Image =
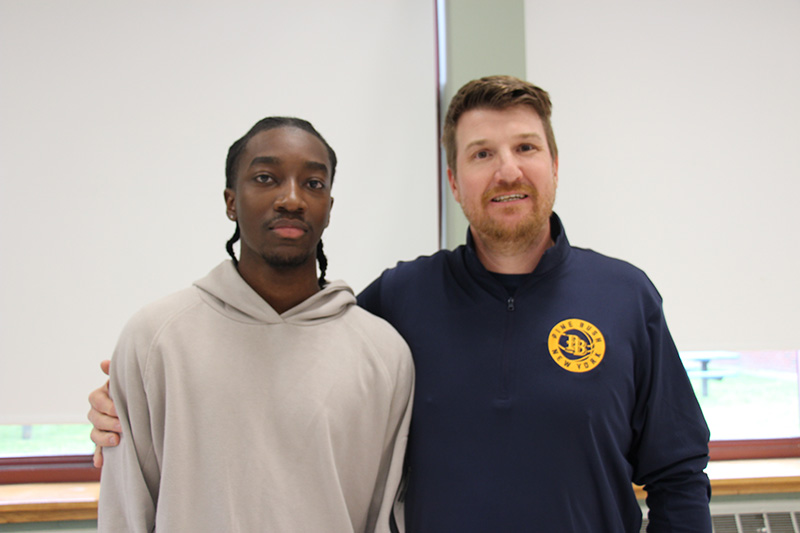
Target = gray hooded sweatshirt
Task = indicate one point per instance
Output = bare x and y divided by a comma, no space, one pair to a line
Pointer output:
238,419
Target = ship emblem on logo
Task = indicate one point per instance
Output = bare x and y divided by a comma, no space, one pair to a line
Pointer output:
576,345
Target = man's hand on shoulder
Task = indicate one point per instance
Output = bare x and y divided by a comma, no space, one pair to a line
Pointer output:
103,416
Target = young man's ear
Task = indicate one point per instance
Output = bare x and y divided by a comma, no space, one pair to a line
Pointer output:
230,203
328,218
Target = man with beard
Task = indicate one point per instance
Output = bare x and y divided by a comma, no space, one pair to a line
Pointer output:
546,378
327,386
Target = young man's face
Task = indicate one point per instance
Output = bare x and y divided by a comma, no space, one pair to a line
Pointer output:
282,197
505,178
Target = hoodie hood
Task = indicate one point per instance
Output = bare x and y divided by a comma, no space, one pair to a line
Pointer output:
226,290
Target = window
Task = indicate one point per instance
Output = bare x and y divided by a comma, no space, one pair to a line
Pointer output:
750,400
45,439
46,453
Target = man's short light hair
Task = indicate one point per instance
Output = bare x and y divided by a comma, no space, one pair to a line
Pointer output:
496,92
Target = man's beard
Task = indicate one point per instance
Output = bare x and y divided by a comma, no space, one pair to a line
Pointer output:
510,236
281,261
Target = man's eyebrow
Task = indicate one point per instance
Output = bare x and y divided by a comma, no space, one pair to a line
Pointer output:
521,136
532,135
476,142
316,165
265,160
275,160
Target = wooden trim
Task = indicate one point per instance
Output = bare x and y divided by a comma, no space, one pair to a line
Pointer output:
724,450
765,485
48,469
744,487
48,502
750,477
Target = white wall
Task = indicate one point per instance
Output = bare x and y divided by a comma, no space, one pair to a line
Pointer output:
677,124
115,119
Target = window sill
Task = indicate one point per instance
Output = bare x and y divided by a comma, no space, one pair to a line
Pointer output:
47,502
750,476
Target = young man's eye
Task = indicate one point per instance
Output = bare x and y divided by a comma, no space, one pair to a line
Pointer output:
527,147
263,178
316,184
482,154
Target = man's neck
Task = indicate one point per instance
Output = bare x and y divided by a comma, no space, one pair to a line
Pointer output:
281,288
504,259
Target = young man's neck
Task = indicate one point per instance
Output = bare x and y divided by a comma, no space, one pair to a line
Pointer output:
282,288
505,258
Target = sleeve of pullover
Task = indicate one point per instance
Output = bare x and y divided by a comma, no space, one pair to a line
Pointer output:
671,451
370,298
130,478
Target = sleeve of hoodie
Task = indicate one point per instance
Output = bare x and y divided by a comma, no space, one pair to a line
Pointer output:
391,511
670,450
130,478
395,440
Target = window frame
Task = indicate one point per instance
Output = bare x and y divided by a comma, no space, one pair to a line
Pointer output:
48,469
727,450
80,468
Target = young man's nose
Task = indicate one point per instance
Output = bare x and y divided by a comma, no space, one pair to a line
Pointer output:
290,197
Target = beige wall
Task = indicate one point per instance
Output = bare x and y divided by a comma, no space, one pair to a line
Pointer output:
677,133
115,120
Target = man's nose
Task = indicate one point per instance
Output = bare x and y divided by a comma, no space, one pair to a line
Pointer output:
290,197
508,167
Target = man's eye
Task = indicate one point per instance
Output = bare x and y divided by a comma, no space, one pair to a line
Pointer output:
263,178
527,147
316,184
483,154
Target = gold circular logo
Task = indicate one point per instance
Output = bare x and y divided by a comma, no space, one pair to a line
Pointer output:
576,345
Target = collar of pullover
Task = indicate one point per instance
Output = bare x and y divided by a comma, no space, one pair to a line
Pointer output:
552,257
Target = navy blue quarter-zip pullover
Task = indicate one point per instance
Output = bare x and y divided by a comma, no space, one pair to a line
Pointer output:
541,398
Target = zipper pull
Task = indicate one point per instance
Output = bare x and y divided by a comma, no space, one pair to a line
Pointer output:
510,303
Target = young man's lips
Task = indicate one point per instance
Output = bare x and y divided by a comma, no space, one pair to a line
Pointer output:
290,229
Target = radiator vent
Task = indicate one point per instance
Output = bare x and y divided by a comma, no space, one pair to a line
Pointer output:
752,523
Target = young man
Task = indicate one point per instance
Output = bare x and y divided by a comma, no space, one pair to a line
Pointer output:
546,378
326,386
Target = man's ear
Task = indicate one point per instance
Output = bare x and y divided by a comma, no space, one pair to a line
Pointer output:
451,179
230,203
555,171
328,218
